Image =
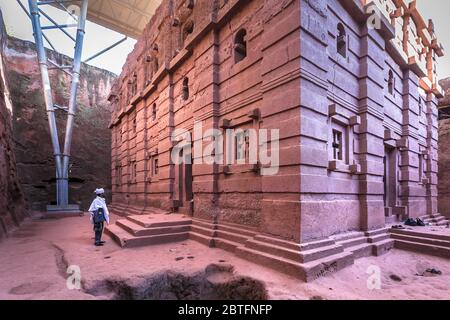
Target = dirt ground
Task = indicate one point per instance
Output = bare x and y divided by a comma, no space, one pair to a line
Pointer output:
34,262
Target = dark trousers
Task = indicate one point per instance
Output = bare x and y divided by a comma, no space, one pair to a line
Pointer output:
98,229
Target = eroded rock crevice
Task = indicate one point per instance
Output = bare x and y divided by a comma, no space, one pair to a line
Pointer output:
218,281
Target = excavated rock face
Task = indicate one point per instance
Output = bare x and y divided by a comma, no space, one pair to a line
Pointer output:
444,154
91,146
444,167
12,205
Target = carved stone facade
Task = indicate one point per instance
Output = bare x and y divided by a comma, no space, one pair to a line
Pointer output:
355,106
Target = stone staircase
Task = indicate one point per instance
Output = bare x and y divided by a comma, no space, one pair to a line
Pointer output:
435,220
141,230
306,261
124,210
364,244
436,244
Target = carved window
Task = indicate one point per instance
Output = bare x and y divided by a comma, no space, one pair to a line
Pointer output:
337,145
391,83
420,106
240,46
155,166
134,125
341,41
154,112
185,88
133,171
148,70
188,29
242,146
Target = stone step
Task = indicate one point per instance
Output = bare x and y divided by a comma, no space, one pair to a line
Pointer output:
319,253
348,236
430,216
119,210
133,210
154,221
378,237
126,240
436,219
360,250
278,242
203,239
226,245
237,226
294,245
371,233
232,229
204,224
231,236
322,267
352,242
382,247
139,231
430,241
280,264
274,249
153,210
420,234
433,250
307,272
204,231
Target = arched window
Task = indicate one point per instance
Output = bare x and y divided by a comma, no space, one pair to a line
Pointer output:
185,88
391,82
240,46
341,40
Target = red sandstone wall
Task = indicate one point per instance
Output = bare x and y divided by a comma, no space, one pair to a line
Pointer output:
12,206
268,80
91,140
311,196
444,152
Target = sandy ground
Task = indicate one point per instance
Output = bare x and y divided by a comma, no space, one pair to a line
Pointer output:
34,260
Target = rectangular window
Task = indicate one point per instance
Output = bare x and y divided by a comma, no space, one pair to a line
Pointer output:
337,145
155,166
134,125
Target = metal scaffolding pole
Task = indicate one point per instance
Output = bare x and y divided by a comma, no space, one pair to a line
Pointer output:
61,160
42,58
73,97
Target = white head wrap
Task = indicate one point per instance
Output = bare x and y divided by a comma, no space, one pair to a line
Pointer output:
99,191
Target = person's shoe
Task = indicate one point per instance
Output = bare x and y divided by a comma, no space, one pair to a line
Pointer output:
98,244
102,242
411,222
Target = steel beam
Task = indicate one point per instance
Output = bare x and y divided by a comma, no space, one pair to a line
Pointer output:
73,97
106,49
42,58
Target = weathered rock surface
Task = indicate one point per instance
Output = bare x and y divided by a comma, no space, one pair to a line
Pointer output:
91,146
12,205
444,154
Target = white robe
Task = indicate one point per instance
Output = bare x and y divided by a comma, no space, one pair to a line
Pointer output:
97,203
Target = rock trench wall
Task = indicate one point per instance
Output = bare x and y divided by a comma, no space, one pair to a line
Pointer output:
91,146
